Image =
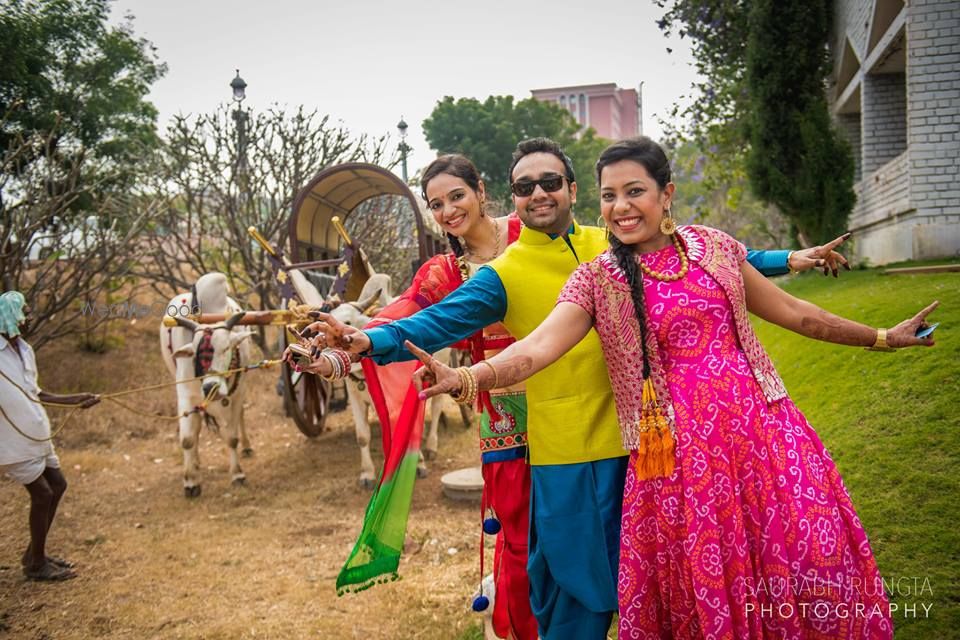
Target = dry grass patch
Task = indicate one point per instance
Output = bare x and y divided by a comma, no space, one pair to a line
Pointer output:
239,562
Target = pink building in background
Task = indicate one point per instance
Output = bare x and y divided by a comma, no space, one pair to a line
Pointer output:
613,112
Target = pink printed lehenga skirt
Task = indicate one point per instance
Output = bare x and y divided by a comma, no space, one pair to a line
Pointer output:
754,534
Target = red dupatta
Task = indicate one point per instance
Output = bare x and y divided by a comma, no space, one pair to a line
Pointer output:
376,555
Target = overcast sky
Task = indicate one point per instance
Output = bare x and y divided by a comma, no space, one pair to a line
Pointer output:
368,63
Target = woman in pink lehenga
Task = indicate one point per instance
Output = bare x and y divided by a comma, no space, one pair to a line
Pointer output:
736,523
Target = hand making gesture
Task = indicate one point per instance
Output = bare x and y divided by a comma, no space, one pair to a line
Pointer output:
821,257
333,333
905,333
434,377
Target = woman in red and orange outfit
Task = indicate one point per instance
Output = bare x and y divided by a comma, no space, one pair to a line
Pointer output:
456,197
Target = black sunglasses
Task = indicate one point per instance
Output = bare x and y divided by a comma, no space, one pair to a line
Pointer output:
524,188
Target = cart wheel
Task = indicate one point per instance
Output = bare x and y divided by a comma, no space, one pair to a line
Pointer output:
306,397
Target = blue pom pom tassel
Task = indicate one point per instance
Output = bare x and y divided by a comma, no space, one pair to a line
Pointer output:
491,526
480,603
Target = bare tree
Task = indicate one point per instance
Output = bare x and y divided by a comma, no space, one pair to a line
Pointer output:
67,238
221,174
385,227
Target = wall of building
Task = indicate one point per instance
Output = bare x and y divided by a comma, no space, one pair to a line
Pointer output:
933,121
601,115
610,110
883,119
850,129
629,126
908,145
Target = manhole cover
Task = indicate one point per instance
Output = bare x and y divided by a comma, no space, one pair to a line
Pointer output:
463,484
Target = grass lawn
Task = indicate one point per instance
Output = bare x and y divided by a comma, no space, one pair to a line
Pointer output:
892,423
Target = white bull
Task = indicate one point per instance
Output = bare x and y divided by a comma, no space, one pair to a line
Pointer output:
352,314
190,350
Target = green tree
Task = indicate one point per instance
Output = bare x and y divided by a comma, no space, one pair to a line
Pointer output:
714,121
761,109
796,160
75,136
68,75
726,204
584,152
488,132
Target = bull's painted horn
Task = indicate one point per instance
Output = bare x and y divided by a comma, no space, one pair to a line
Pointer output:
185,323
234,319
362,305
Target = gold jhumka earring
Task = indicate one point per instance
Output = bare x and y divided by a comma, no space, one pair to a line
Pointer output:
668,225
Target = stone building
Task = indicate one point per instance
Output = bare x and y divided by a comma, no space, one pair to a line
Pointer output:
896,98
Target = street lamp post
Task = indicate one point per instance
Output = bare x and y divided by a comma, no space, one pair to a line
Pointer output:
240,118
404,147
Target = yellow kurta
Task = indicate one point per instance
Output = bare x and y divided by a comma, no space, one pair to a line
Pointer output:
571,416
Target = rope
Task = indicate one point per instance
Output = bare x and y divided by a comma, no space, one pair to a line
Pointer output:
112,397
18,430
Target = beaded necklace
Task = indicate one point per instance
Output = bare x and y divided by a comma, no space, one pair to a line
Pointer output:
668,277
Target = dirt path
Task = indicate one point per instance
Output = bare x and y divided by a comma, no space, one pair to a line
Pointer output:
258,561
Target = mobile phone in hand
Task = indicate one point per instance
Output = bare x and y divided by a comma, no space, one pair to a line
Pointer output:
926,332
302,354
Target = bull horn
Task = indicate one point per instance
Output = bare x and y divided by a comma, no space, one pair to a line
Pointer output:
234,319
365,303
185,323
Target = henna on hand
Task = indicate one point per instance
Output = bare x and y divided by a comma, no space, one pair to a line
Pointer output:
509,371
823,325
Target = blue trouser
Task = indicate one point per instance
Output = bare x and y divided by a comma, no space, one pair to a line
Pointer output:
575,547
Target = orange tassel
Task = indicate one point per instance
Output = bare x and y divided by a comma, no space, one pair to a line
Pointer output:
655,446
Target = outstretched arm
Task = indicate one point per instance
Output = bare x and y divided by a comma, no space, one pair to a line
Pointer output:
779,262
775,305
566,325
477,303
82,400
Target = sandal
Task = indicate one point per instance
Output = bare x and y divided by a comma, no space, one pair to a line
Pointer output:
49,572
54,560
60,562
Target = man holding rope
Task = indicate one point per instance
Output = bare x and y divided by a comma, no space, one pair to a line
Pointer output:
26,449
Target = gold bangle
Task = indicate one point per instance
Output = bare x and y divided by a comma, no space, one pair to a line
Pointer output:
468,387
496,378
792,271
881,342
466,384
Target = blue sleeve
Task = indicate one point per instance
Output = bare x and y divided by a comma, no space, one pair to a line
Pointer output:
475,304
769,263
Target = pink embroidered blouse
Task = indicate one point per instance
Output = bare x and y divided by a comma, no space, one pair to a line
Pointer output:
600,287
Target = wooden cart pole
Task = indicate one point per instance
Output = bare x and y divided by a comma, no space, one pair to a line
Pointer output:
335,221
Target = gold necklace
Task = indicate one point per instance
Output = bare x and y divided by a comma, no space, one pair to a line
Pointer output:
668,277
496,245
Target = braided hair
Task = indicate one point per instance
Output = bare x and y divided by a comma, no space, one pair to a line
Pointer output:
651,156
458,166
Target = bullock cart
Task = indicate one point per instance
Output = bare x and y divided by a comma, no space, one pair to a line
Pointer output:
339,209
